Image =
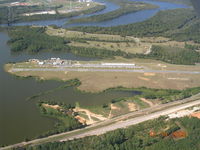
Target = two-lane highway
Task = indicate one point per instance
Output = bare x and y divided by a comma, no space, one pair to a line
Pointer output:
118,122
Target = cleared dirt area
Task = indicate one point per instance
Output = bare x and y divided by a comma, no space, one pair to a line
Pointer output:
91,117
113,108
122,107
51,106
149,74
196,114
147,101
179,134
132,107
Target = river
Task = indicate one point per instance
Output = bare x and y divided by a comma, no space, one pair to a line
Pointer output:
19,118
122,20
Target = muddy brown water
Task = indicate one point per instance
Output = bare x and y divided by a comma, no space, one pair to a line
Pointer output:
19,118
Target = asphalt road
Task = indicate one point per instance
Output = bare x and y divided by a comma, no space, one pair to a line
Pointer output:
133,121
122,121
104,70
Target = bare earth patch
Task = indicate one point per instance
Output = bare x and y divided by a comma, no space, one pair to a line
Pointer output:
81,119
132,107
196,114
147,101
142,78
113,107
149,74
52,106
184,79
90,116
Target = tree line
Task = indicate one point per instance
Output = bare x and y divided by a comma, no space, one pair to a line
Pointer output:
35,39
178,24
125,8
136,137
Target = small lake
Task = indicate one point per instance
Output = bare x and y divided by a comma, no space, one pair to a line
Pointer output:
19,118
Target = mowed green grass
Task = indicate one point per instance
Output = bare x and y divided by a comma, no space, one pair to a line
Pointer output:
129,47
82,35
101,41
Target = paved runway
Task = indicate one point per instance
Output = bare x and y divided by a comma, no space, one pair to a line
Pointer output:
105,70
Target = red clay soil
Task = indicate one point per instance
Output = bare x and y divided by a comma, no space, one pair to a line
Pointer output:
197,115
179,134
152,133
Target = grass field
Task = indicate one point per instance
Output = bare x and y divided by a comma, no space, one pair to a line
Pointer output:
95,81
129,47
102,41
81,35
115,42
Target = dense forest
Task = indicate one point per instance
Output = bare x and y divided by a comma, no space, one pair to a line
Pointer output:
175,55
35,39
137,137
188,33
178,24
125,8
